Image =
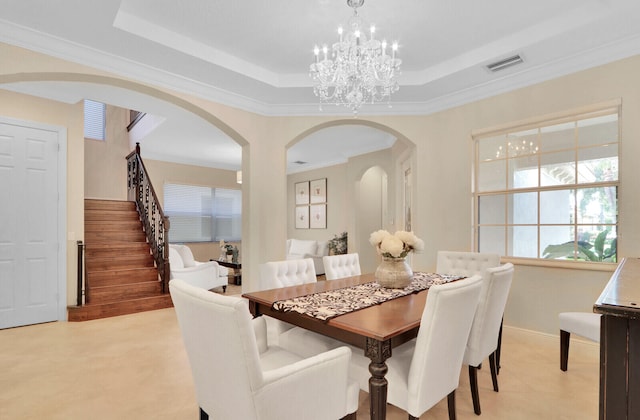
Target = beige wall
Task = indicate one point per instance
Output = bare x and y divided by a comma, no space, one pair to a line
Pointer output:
105,175
350,206
442,172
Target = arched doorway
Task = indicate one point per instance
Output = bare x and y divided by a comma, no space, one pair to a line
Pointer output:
73,173
370,185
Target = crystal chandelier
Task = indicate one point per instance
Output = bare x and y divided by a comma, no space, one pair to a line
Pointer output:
357,69
516,148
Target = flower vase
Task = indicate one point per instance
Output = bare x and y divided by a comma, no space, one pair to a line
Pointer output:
394,273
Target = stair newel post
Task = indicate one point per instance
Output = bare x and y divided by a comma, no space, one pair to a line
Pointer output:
80,272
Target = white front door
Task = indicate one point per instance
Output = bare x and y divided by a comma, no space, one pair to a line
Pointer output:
29,260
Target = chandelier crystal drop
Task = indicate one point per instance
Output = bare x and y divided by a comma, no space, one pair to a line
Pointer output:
357,69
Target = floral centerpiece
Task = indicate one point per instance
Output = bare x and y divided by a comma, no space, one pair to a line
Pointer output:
398,245
394,271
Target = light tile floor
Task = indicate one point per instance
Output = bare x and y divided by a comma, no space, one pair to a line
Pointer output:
135,367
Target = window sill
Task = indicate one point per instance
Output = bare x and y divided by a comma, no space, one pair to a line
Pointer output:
572,265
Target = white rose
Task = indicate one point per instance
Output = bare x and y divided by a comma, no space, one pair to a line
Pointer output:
392,245
377,237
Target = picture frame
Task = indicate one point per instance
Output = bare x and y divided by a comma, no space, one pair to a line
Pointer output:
302,217
302,192
318,190
318,216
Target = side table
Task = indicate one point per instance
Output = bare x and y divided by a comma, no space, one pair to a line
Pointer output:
237,270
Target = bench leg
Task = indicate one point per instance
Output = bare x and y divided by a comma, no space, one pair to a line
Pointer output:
203,415
564,349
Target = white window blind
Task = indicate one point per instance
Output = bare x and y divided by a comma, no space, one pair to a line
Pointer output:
203,214
94,120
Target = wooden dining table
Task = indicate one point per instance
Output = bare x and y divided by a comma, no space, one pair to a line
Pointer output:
376,329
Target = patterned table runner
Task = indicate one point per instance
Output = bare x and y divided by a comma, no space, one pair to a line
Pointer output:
332,303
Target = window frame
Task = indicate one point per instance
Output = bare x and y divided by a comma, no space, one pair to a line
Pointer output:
91,122
539,123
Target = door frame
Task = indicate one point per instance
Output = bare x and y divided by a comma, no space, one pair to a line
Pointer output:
61,275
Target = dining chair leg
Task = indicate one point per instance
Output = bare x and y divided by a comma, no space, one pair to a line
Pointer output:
494,370
203,415
451,403
473,381
564,349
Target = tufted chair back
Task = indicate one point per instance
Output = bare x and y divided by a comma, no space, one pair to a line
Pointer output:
340,266
465,263
285,273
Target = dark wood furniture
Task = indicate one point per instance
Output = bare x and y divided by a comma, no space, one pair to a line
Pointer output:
237,270
376,329
619,305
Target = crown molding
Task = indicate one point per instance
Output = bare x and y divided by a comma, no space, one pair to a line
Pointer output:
31,39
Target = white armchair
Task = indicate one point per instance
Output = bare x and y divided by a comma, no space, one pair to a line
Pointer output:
298,249
205,275
238,375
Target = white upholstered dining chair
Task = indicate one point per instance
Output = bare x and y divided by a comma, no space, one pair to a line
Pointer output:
340,266
485,331
297,340
465,263
423,371
238,375
275,274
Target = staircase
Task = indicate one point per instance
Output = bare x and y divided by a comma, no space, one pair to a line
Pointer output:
121,277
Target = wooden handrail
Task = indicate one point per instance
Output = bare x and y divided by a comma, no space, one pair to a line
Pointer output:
156,224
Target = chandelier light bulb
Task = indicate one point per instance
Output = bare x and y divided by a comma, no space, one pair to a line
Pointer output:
358,71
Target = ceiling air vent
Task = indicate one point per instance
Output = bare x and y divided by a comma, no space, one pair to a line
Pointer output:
505,63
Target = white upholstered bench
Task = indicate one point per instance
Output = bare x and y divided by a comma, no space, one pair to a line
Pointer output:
584,324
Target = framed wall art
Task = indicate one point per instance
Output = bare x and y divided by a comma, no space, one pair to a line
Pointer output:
318,191
302,217
318,216
302,193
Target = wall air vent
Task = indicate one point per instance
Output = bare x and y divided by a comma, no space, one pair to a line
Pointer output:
505,63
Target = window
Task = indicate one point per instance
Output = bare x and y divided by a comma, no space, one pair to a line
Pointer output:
549,189
94,120
203,214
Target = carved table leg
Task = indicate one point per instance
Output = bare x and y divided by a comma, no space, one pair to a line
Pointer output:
378,352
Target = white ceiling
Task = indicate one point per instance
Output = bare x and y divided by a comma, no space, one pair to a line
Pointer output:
255,55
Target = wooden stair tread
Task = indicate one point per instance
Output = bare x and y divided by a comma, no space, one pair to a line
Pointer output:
105,310
121,273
